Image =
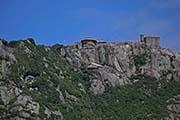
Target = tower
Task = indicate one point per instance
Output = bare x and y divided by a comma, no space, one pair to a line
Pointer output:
142,37
150,41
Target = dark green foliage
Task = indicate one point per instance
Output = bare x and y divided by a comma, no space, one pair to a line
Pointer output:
83,68
13,43
142,100
70,87
55,81
77,47
31,40
4,42
140,60
4,58
31,73
48,92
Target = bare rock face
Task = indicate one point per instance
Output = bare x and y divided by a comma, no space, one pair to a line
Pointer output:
50,113
8,93
6,59
27,103
174,108
107,65
6,52
97,87
14,102
117,62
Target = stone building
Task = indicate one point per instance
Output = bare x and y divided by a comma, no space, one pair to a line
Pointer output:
150,41
88,42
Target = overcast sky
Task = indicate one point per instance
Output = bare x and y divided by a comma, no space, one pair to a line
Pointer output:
67,21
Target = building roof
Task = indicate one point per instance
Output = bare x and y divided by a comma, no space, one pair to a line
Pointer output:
152,37
89,39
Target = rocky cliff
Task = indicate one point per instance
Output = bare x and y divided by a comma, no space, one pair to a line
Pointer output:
104,82
114,63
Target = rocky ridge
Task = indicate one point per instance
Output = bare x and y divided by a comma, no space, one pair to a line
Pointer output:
34,79
115,63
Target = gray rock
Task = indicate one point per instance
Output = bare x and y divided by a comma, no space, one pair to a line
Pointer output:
28,104
118,64
16,118
8,93
49,113
71,97
174,108
97,87
61,97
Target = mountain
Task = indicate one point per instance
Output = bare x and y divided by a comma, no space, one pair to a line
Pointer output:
89,80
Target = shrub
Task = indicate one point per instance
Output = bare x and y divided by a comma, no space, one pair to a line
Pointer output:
47,91
4,42
31,40
140,60
13,43
70,87
6,58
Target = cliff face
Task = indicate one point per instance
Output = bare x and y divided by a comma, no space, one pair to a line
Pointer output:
106,81
114,63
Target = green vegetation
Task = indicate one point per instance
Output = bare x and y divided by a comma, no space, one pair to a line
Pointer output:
31,40
13,43
4,42
52,70
140,60
142,100
4,58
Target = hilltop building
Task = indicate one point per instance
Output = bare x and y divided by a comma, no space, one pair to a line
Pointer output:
88,42
150,41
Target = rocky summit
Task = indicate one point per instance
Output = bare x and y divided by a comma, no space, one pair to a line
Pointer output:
89,80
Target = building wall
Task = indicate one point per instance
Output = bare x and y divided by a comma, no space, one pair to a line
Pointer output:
152,42
88,44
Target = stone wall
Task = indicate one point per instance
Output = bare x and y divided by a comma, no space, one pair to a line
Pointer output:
152,42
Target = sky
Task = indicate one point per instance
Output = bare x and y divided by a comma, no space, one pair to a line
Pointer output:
67,21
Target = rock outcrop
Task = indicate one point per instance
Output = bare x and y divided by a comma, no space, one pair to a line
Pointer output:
15,103
119,61
52,82
174,108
